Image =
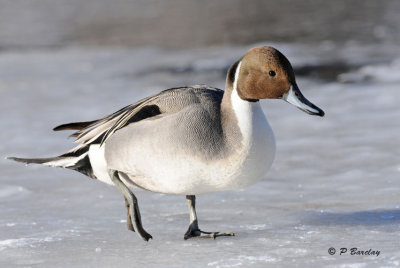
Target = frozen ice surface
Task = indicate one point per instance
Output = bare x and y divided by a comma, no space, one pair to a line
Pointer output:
334,183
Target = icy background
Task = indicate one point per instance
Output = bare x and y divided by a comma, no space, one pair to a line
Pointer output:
334,183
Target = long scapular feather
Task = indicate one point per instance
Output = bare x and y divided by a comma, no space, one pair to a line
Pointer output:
73,126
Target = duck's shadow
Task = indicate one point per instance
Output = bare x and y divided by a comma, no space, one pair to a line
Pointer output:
365,218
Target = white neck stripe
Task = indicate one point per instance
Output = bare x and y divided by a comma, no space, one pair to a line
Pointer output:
236,78
243,110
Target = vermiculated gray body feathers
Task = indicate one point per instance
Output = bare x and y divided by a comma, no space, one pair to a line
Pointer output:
98,131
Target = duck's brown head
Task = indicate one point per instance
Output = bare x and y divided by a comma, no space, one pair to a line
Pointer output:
265,73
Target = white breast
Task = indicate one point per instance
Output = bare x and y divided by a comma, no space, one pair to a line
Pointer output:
258,141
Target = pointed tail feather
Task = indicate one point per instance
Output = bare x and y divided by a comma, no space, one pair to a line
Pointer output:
58,161
33,160
78,162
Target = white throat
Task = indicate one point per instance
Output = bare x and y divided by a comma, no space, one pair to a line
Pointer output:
246,112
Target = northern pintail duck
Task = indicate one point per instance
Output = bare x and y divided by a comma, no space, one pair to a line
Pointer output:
187,140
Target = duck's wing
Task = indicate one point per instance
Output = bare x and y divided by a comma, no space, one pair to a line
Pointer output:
166,102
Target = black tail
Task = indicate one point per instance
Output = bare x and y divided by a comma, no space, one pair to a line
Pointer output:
34,160
78,161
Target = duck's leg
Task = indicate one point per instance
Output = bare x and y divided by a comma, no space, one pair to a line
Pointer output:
193,230
128,218
133,206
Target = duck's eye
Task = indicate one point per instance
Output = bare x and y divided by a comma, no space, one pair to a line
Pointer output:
272,73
